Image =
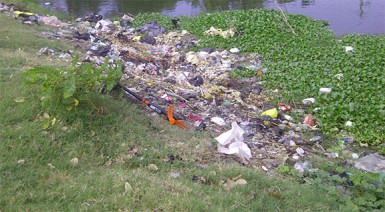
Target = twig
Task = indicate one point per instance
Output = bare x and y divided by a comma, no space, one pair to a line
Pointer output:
284,17
170,91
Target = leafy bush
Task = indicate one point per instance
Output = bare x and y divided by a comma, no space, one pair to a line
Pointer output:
300,64
70,86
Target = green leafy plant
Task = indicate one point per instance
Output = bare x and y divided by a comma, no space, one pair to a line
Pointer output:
161,19
382,150
70,86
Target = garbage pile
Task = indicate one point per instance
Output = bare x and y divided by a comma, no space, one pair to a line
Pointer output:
165,68
162,67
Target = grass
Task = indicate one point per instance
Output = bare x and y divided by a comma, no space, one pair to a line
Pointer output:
103,137
20,44
93,185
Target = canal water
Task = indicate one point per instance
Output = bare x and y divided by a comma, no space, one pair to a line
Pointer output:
345,16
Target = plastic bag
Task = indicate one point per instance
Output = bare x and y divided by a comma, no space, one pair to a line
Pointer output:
231,142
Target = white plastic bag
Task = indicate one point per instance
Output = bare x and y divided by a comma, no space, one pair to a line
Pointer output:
231,142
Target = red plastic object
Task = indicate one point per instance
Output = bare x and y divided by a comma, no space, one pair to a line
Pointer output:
284,107
194,117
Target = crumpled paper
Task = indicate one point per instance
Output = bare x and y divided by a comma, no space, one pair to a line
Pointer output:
231,142
225,34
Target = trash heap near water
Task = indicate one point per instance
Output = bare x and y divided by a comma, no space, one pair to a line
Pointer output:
164,68
204,85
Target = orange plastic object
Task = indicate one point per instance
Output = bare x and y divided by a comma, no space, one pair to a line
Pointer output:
171,117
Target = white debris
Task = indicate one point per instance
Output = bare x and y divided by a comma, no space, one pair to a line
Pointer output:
308,101
74,161
325,90
355,156
218,121
287,117
304,166
296,157
371,163
104,25
339,76
348,49
203,55
300,151
231,142
234,50
192,58
349,123
332,155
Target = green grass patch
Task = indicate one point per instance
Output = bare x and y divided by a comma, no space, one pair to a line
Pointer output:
109,132
20,44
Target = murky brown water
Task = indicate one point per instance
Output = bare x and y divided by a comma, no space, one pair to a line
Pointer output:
345,16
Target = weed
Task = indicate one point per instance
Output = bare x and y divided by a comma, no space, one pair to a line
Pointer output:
70,86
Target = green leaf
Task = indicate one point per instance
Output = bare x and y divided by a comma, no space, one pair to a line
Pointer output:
283,169
360,201
110,85
46,123
380,203
69,88
340,169
37,75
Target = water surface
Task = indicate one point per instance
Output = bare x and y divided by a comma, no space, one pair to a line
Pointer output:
345,16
